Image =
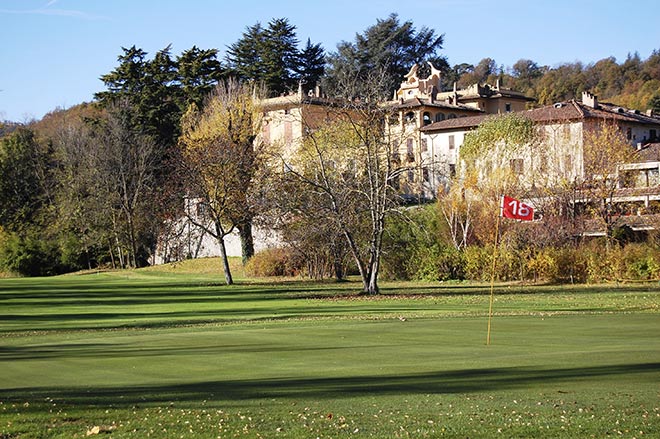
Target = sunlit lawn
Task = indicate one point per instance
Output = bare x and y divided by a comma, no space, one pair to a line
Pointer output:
171,354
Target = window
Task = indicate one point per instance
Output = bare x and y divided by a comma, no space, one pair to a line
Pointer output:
439,117
425,174
451,116
411,176
410,117
628,133
452,170
507,107
516,166
451,142
266,132
425,146
410,150
427,118
288,132
652,135
202,210
568,163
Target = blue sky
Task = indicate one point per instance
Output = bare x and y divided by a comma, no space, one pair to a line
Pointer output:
54,51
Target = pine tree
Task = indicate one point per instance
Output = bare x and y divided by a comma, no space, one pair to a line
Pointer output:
311,64
198,72
387,50
244,57
269,56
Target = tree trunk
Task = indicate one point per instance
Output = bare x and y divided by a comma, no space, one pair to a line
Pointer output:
372,287
225,262
220,236
247,241
338,268
356,256
112,255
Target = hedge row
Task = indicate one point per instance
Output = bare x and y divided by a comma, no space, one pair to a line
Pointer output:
575,264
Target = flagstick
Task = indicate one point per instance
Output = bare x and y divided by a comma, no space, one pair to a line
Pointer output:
492,273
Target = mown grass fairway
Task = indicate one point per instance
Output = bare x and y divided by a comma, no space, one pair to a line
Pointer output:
169,354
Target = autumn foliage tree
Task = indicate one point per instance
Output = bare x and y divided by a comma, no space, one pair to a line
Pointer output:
220,163
347,172
605,149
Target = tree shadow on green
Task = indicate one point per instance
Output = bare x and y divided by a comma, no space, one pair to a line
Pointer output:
441,382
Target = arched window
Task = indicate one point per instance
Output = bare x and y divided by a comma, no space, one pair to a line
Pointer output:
439,117
427,118
451,116
410,117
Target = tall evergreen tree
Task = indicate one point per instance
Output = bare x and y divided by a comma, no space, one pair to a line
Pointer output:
271,56
311,64
198,73
244,57
280,56
387,48
150,87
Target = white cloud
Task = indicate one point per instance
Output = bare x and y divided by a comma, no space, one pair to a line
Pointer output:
47,10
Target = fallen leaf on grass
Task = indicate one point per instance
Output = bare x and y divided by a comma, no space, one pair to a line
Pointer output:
100,429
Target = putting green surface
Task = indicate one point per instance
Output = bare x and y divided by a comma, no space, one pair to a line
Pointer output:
164,355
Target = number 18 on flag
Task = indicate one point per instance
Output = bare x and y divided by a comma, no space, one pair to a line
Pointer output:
515,209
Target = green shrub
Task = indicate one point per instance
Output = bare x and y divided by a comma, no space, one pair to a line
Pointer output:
641,262
411,245
30,256
478,262
437,263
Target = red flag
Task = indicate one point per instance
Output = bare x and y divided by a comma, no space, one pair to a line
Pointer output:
514,209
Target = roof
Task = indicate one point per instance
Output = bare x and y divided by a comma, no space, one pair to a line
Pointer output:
564,111
638,223
649,153
421,102
500,93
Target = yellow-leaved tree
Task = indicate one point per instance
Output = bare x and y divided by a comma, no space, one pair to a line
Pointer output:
605,149
220,163
346,176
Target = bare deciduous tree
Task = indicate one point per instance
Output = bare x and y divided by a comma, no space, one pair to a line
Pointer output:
346,168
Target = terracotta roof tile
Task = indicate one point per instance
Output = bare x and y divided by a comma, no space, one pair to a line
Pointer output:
649,153
564,111
417,102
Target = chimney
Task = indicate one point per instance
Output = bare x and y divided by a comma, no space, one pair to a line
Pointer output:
589,100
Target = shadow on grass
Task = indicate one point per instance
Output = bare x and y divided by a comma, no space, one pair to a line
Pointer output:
443,382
